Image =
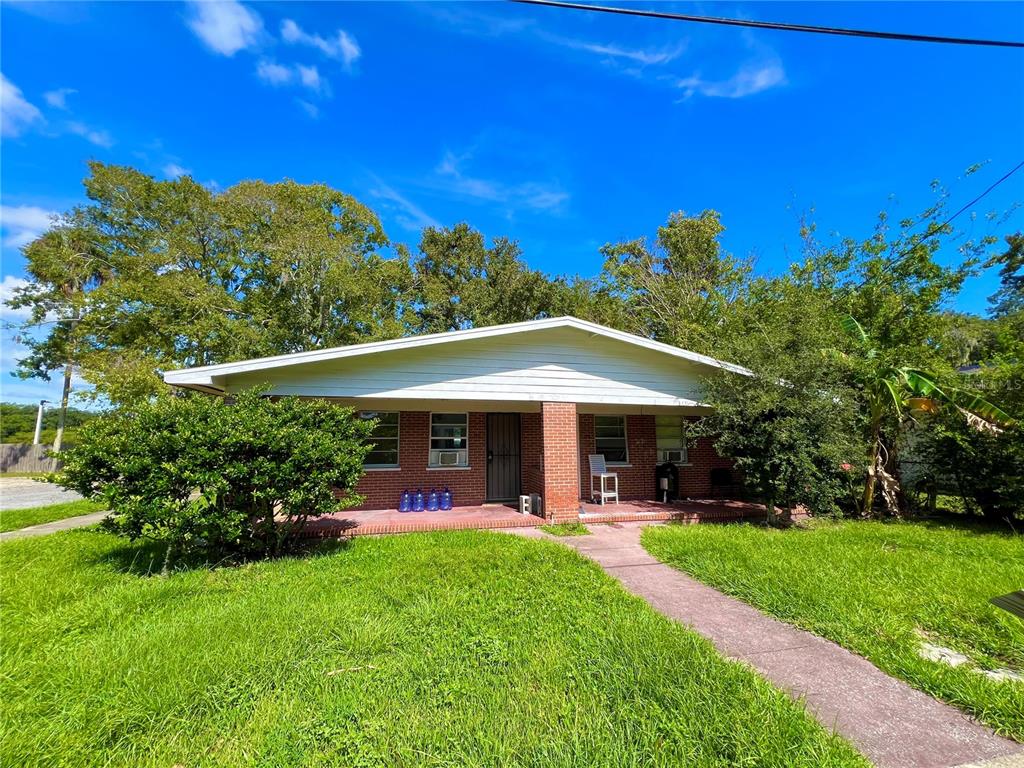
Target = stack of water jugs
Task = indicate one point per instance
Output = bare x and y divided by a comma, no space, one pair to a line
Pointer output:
417,501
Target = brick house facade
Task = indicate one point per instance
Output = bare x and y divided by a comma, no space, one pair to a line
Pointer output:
509,407
554,448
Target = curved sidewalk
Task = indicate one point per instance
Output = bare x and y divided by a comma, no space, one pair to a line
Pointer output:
894,725
81,521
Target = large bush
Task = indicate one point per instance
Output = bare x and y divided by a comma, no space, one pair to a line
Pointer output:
214,476
985,468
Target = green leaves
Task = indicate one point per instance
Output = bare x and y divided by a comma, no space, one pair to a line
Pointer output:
153,275
205,475
679,289
854,329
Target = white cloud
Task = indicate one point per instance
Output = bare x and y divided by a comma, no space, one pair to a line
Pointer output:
310,109
226,26
58,98
281,74
275,74
750,79
342,46
21,224
7,288
409,215
173,171
642,56
350,50
310,77
17,115
531,195
759,66
470,22
95,136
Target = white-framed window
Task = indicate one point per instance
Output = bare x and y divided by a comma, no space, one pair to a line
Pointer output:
449,439
670,432
384,437
610,439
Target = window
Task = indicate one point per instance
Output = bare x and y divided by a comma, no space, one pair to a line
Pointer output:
449,440
610,438
384,439
670,432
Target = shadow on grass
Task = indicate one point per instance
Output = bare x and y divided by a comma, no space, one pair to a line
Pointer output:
149,558
969,523
972,523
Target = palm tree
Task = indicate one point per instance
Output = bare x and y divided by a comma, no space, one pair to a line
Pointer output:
891,391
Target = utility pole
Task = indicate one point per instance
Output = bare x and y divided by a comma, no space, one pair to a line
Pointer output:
65,394
39,423
63,408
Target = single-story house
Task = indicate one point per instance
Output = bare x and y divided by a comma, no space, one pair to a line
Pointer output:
497,412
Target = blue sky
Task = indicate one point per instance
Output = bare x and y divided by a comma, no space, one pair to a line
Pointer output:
561,129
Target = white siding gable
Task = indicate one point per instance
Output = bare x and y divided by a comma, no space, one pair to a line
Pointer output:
555,364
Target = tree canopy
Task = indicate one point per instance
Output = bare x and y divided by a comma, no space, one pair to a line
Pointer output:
150,275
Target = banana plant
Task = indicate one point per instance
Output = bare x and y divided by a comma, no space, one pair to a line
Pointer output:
898,391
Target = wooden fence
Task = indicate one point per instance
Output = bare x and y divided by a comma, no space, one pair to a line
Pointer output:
23,457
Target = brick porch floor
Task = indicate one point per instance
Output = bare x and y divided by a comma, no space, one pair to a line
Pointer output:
379,521
384,521
689,511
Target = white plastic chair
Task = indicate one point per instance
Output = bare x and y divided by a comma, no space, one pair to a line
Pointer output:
599,470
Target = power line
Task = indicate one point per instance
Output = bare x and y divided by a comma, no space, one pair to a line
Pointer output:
898,259
775,25
1005,176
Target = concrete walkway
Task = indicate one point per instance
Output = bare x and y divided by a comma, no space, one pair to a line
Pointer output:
52,527
894,725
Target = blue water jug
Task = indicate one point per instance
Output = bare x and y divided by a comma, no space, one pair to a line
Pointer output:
446,499
417,501
405,505
432,501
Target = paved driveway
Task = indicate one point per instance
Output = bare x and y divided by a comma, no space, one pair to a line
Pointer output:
24,492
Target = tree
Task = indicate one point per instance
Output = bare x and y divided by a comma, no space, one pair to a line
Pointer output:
18,423
792,424
66,265
171,274
889,391
1009,299
309,268
679,289
985,467
211,477
460,282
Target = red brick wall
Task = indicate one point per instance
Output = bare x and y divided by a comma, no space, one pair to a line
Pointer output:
695,480
561,461
637,480
531,464
383,488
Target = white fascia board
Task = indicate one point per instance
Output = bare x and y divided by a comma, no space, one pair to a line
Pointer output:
206,375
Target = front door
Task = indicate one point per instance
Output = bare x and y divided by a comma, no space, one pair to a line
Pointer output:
502,456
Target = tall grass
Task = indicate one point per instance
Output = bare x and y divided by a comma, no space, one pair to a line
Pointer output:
462,648
878,589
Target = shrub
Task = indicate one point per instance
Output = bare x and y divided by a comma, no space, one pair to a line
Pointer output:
211,476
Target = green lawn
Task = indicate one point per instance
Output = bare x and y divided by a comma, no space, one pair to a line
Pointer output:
566,529
13,519
461,648
873,587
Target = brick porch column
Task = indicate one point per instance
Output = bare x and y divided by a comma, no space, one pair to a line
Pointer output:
561,462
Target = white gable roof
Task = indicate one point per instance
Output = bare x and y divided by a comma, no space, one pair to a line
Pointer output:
559,359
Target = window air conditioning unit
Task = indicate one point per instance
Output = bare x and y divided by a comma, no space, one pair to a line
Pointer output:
675,457
448,458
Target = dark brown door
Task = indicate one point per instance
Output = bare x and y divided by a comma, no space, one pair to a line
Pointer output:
502,456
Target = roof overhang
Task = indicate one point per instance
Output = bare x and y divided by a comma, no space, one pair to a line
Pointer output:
210,378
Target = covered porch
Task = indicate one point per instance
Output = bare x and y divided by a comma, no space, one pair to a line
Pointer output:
366,522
